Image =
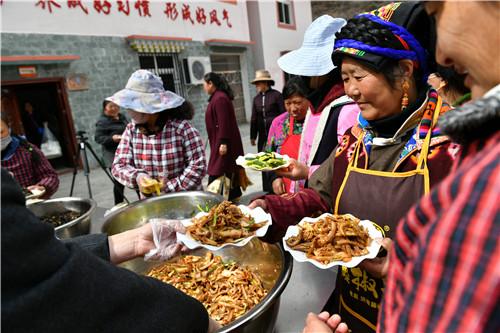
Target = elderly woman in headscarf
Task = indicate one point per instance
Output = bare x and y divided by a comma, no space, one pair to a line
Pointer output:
384,164
443,272
160,146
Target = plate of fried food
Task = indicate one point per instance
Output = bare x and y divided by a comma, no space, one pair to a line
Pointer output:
332,240
224,225
227,289
264,161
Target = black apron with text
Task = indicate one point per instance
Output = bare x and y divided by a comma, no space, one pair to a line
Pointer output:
383,198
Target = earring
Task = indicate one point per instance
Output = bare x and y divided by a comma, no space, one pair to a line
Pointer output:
405,100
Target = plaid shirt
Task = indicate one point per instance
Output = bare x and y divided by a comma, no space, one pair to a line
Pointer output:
444,274
176,153
27,172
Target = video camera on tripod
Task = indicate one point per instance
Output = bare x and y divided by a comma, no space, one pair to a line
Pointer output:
83,143
81,136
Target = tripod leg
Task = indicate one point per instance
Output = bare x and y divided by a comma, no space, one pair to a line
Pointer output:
86,169
103,167
75,171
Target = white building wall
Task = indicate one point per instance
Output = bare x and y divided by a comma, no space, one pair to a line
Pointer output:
275,39
255,32
24,16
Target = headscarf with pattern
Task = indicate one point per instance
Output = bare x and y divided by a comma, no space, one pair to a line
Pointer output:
400,30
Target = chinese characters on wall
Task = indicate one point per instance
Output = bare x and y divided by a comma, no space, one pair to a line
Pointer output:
173,11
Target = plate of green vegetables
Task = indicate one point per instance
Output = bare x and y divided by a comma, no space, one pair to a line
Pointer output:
264,161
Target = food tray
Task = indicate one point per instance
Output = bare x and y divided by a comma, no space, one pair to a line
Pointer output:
300,256
243,161
257,213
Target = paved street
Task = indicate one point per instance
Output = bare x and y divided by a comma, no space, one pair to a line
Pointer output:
308,288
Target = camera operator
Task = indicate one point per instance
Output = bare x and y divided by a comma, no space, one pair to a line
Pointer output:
109,129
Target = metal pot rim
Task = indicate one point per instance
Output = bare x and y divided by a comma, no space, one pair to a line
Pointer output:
85,215
111,215
272,296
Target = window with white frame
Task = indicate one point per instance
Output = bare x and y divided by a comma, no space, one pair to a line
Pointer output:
166,66
285,12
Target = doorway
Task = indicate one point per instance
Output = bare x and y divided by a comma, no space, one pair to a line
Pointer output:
38,104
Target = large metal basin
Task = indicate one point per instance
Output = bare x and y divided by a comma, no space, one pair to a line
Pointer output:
76,227
268,261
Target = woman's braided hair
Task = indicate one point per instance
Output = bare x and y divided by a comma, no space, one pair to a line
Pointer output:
368,32
371,33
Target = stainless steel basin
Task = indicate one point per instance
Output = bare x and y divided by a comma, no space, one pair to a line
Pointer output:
76,227
268,261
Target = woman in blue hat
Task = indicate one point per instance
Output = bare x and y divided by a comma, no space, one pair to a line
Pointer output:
385,163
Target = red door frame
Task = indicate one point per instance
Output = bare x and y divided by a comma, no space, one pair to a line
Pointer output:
68,128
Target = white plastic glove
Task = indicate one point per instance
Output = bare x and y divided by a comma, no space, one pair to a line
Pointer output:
165,239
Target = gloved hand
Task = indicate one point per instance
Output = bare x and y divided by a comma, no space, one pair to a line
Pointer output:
165,239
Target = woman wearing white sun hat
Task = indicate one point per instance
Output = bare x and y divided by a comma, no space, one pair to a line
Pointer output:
331,113
160,143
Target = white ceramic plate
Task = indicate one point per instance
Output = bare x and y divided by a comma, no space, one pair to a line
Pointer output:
258,214
242,161
35,194
300,256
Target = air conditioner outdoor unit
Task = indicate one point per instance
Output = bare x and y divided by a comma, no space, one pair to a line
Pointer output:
195,68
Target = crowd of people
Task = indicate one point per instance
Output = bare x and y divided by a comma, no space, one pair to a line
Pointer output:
391,116
397,146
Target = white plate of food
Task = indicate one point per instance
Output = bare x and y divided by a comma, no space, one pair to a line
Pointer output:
224,225
332,240
33,194
263,161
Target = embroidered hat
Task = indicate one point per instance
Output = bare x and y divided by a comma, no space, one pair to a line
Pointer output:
263,75
410,35
144,93
314,57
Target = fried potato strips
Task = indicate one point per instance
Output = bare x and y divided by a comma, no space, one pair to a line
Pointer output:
226,290
225,223
333,238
